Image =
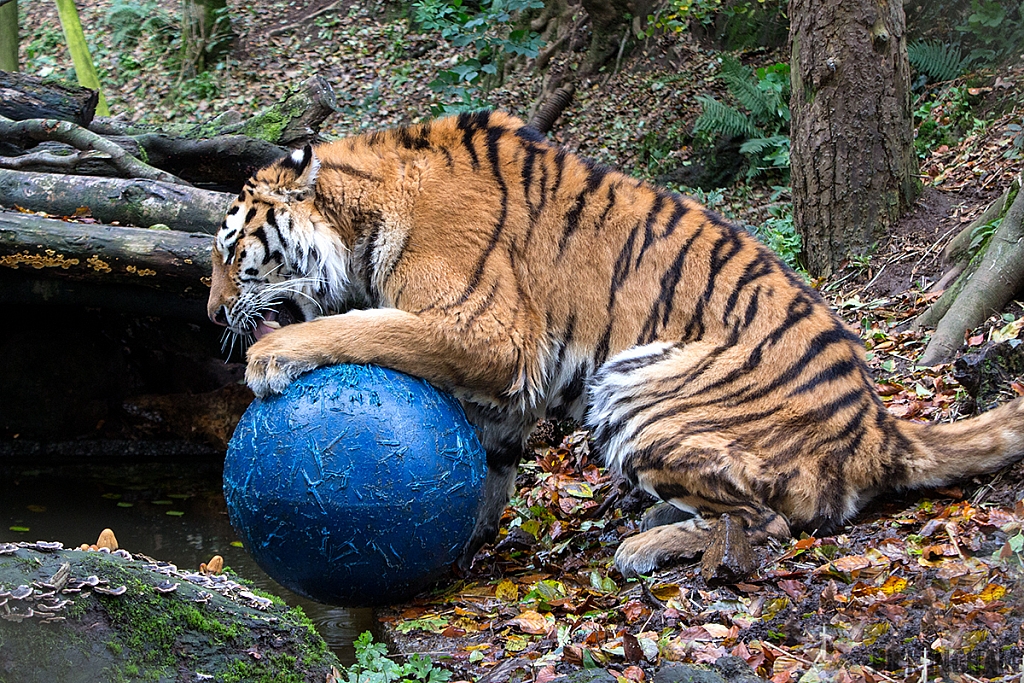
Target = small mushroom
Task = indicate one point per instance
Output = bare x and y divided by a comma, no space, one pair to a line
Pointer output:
48,546
8,548
90,581
107,540
214,566
21,592
52,620
120,590
166,587
18,617
123,554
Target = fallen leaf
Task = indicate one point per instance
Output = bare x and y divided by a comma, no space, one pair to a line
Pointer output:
506,591
530,622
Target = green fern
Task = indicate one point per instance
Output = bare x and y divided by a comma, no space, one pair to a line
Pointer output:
938,61
742,84
721,119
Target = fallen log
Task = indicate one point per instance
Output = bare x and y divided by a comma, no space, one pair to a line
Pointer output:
170,260
23,96
130,202
28,131
225,160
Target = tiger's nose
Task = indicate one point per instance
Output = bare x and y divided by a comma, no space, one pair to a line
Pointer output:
220,316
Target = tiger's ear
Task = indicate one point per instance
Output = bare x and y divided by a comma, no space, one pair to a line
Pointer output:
305,165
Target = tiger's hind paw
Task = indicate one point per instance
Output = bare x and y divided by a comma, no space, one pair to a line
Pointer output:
661,546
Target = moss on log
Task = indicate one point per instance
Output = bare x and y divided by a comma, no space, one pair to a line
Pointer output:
72,615
170,260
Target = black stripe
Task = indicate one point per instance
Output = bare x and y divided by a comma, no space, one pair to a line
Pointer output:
725,247
250,215
652,215
607,208
234,209
470,123
836,371
595,177
678,212
531,135
665,302
621,268
759,267
271,218
261,235
349,170
493,136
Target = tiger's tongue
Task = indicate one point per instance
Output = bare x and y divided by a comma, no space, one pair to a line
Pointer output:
262,330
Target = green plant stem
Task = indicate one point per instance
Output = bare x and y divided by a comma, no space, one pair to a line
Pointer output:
75,36
9,36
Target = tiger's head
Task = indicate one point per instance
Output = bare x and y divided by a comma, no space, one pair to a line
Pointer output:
276,261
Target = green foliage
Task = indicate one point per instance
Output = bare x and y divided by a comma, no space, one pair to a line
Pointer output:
995,28
938,61
946,117
764,95
373,666
129,20
492,33
778,232
735,24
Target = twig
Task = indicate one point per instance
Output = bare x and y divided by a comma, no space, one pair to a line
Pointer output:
323,10
86,140
64,162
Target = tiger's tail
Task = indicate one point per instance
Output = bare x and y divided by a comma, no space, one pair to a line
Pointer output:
948,452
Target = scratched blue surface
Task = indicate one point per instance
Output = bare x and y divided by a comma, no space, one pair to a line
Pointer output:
358,486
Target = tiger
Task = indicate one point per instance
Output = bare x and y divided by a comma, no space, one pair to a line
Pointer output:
530,282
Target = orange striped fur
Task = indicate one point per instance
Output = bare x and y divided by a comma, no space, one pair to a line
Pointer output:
529,282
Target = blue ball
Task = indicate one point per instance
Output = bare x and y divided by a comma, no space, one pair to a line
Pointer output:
357,486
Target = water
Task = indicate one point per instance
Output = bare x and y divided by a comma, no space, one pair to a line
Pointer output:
170,511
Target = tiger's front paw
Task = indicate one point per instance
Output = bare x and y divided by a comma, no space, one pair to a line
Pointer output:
663,545
273,366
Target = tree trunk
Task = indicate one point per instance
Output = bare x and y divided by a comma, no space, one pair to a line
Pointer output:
75,37
23,96
854,168
129,202
984,288
8,38
608,28
205,34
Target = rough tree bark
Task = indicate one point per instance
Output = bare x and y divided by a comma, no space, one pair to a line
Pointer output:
34,130
23,96
133,201
990,281
170,260
854,168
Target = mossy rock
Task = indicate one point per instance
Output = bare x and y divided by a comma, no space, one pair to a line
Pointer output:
70,615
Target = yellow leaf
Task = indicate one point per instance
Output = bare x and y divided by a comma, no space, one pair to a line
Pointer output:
893,585
507,591
514,643
992,592
666,591
579,489
530,622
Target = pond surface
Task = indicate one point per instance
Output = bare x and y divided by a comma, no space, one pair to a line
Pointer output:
170,511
